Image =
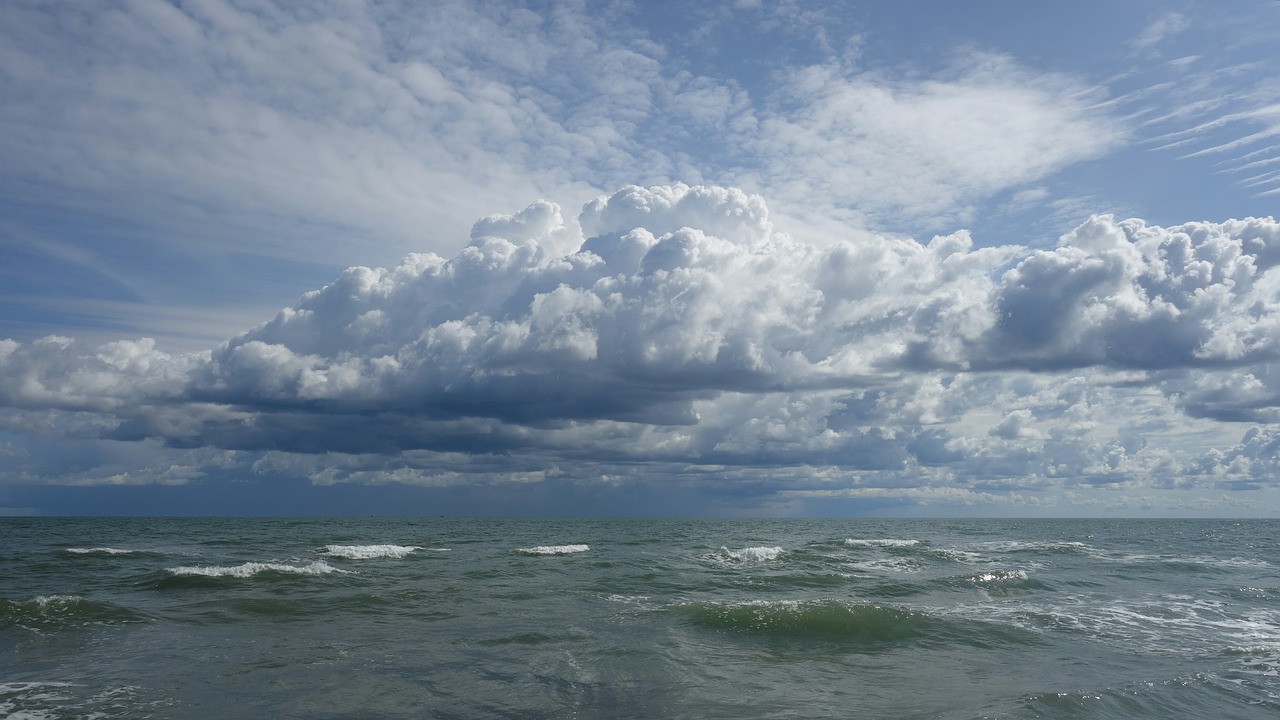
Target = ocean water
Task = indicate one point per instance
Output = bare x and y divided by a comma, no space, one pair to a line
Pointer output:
515,618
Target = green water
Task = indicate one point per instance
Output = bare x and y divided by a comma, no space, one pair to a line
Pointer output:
456,618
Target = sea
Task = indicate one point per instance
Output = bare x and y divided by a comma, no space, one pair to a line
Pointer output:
638,618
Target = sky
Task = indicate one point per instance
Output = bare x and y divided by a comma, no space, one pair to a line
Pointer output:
763,257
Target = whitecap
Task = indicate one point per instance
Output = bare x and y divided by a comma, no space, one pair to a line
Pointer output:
553,549
250,569
1016,546
99,551
888,564
628,599
751,554
965,557
44,601
999,576
880,542
366,552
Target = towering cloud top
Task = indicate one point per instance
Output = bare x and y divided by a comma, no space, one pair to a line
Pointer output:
674,293
674,323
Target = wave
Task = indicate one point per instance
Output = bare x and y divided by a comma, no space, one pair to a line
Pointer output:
1197,694
532,638
100,551
895,565
47,700
1006,582
49,611
831,620
880,542
999,577
751,554
250,569
1191,563
964,557
367,552
844,623
1169,624
1020,546
553,550
628,599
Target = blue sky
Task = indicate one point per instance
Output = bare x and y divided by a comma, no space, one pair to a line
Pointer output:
754,257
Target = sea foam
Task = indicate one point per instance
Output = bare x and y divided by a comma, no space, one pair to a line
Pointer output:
250,569
751,554
896,565
880,542
554,549
999,576
366,552
99,551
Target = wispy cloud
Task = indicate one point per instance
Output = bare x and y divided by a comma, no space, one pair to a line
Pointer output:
1160,30
880,152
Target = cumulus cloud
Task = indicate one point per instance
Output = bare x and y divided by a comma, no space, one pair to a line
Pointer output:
674,327
1126,294
1251,463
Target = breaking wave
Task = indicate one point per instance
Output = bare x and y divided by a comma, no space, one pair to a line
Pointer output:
999,577
250,569
751,554
367,552
554,550
53,611
1005,583
880,542
100,551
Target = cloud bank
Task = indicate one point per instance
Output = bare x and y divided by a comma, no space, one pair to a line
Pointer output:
673,331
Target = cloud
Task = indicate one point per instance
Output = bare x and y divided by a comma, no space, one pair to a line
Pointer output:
1126,294
343,132
358,123
1161,29
676,293
673,330
1250,464
875,149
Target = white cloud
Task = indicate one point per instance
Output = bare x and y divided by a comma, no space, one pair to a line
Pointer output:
683,334
1161,29
251,116
342,133
872,149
